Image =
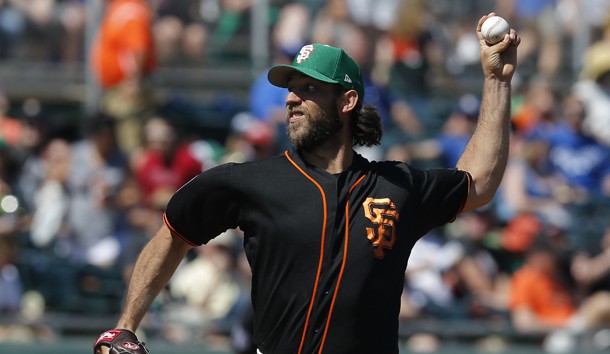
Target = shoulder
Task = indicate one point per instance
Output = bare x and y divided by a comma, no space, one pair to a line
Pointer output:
396,169
248,170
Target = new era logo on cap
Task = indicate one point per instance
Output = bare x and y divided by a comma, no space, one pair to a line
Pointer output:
321,62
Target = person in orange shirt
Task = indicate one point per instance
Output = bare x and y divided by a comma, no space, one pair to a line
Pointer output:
122,58
542,301
540,297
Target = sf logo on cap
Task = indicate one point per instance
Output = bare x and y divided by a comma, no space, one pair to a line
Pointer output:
304,53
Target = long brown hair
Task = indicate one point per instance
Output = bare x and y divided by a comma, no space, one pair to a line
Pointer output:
366,126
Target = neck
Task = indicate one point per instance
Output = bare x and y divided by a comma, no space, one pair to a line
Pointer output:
332,160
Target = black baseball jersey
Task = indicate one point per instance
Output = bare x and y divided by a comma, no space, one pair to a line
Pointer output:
328,252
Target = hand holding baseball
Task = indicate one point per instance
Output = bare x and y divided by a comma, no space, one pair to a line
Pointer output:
498,60
494,28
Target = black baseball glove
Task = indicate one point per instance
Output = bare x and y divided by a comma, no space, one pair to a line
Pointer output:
120,341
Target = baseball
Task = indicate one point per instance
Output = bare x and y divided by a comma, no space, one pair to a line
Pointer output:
494,28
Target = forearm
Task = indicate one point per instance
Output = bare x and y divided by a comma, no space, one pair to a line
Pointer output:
486,154
526,321
587,270
154,268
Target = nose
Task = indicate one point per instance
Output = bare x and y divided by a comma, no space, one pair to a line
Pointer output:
292,98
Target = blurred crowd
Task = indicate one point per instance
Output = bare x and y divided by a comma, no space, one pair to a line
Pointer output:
79,200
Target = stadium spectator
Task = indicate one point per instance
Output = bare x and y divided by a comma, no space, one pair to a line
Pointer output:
51,199
12,22
580,160
230,32
76,229
590,266
97,172
10,277
593,89
543,33
413,56
536,109
540,297
266,102
215,301
373,15
180,32
10,128
430,281
456,276
42,33
249,139
123,58
542,301
480,278
529,184
72,17
445,148
164,164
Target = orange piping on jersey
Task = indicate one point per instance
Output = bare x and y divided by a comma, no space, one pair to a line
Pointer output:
315,286
345,243
176,233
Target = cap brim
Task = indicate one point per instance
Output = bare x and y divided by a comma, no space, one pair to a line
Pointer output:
279,75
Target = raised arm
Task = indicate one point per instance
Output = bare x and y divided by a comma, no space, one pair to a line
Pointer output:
486,154
153,270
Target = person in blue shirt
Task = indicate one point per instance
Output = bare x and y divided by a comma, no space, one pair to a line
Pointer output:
446,147
580,160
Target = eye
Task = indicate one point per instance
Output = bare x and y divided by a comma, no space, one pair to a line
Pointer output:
303,88
310,88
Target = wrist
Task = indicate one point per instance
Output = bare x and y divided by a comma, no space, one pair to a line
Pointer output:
492,79
125,325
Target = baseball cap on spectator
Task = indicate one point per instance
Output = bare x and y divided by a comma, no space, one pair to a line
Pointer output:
257,133
520,232
321,62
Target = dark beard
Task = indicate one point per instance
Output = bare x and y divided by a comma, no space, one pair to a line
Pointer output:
314,131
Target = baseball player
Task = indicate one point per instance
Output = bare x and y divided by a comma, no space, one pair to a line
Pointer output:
327,233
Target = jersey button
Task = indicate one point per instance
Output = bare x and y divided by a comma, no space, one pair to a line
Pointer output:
316,330
326,292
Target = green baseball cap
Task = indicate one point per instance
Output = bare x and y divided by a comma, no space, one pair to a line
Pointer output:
321,62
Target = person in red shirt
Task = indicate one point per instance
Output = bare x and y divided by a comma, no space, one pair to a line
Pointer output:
164,164
122,58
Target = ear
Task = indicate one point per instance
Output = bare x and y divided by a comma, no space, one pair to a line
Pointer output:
347,101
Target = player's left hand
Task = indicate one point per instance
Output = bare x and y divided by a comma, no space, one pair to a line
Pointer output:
499,61
119,341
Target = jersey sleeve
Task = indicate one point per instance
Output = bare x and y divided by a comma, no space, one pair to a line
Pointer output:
443,194
205,206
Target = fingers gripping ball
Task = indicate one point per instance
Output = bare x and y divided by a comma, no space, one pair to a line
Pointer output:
494,28
120,341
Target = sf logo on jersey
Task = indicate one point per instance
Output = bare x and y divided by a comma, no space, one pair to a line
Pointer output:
383,214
